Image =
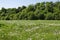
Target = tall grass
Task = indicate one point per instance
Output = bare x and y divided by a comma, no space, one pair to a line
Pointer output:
29,30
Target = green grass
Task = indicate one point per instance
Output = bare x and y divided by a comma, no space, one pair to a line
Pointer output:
29,30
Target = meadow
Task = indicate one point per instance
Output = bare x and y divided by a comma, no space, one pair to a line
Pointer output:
29,29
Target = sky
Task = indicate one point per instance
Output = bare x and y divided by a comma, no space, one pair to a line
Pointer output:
17,3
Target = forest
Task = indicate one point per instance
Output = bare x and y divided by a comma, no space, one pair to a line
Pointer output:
38,11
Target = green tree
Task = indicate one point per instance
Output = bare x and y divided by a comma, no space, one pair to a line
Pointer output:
49,16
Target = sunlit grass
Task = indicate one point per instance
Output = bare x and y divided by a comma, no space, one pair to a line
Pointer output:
29,30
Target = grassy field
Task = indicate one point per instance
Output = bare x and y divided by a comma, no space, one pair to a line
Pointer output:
29,30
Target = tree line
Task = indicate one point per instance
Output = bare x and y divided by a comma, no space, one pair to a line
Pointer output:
39,11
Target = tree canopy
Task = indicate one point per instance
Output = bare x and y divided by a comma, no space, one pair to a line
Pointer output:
39,11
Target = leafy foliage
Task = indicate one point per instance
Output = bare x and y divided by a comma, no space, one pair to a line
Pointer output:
41,11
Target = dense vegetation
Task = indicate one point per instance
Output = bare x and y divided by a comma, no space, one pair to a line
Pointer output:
39,11
30,30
